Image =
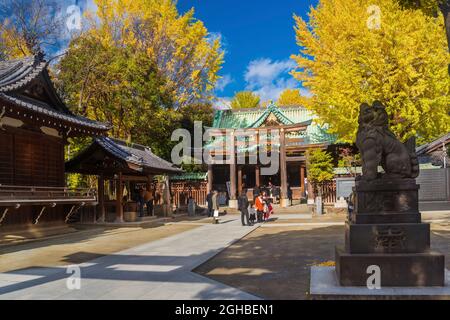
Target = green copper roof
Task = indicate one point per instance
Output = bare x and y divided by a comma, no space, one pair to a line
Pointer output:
254,118
190,176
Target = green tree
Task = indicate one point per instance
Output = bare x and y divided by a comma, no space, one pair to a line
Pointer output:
402,61
142,67
319,165
245,100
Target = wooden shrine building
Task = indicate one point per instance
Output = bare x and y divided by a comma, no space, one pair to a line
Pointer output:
297,133
34,127
122,168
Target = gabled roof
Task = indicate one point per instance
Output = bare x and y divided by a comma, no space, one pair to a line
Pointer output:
434,145
133,159
253,118
19,77
256,117
276,112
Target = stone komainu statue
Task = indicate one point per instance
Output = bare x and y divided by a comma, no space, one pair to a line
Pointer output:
378,145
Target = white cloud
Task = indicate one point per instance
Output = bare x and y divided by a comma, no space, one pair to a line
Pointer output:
269,78
222,103
265,71
223,82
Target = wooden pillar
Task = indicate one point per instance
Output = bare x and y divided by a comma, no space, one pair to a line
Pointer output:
119,198
283,170
210,178
101,198
149,183
302,179
233,201
239,180
233,181
257,176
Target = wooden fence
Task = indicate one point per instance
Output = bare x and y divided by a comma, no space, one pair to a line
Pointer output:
181,191
329,192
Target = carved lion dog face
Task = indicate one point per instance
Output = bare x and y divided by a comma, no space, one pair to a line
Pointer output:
375,115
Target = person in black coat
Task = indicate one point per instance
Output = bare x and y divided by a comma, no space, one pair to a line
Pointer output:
243,208
210,203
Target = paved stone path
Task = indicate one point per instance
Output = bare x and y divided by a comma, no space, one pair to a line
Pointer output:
156,270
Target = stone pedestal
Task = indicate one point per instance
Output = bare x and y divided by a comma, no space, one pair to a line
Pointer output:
386,230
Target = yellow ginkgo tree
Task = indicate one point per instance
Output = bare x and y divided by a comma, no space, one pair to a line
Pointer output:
364,50
293,97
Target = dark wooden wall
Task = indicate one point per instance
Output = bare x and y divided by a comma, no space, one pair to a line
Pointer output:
30,158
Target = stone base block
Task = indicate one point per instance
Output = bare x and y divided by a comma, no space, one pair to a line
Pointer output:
324,286
397,269
386,196
387,238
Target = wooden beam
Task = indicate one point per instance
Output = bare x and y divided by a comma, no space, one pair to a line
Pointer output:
296,158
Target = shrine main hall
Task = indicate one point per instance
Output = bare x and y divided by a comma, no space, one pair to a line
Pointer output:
297,131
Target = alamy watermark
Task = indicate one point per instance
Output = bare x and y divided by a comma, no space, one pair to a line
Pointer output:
374,19
73,282
374,280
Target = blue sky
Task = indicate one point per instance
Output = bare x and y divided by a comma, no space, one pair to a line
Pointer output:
258,37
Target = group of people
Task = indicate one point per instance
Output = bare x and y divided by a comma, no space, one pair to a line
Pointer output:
260,211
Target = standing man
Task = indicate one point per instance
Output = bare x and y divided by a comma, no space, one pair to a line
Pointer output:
289,194
243,208
209,202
